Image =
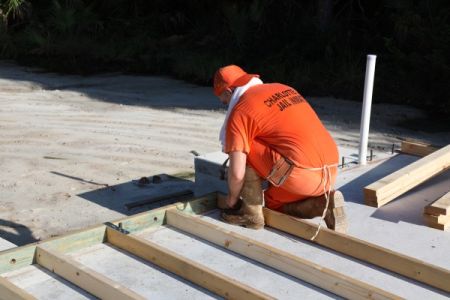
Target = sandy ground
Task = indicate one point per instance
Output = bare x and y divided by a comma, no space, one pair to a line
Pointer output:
70,147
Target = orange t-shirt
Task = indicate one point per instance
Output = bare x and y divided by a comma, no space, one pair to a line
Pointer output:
278,116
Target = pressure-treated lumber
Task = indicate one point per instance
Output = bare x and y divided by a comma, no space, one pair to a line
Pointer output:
19,257
417,148
278,259
9,291
390,260
82,276
183,267
390,187
439,207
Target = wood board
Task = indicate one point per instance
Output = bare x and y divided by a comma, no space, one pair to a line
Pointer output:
395,184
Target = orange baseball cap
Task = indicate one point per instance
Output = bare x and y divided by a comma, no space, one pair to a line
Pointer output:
230,76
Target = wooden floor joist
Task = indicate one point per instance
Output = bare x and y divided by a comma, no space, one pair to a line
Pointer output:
183,267
278,259
407,266
82,276
390,187
417,148
9,291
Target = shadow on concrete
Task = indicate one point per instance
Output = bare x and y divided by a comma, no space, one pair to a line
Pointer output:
151,91
116,197
353,190
16,233
409,206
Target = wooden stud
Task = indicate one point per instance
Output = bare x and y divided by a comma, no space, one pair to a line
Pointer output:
82,276
278,259
390,187
390,260
417,148
439,207
10,291
183,267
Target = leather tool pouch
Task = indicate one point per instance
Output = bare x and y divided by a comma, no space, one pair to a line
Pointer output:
280,171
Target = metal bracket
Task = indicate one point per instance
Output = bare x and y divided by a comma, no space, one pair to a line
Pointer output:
118,228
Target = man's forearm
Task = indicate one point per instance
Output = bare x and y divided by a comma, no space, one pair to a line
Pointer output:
234,189
236,174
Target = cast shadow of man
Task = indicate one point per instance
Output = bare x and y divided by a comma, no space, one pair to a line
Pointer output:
16,233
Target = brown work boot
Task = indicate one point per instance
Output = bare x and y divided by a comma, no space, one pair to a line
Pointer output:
335,217
250,214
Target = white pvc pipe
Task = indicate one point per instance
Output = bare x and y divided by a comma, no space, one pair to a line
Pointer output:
367,106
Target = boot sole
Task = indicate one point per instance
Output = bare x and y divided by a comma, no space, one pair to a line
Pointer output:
337,200
340,220
337,210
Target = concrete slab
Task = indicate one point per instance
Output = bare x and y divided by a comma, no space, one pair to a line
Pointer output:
45,285
4,244
138,275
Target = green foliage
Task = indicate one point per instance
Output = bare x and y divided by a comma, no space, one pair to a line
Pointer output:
318,47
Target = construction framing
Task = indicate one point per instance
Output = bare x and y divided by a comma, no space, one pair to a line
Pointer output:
52,254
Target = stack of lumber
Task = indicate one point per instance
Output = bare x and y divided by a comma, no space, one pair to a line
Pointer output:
437,214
